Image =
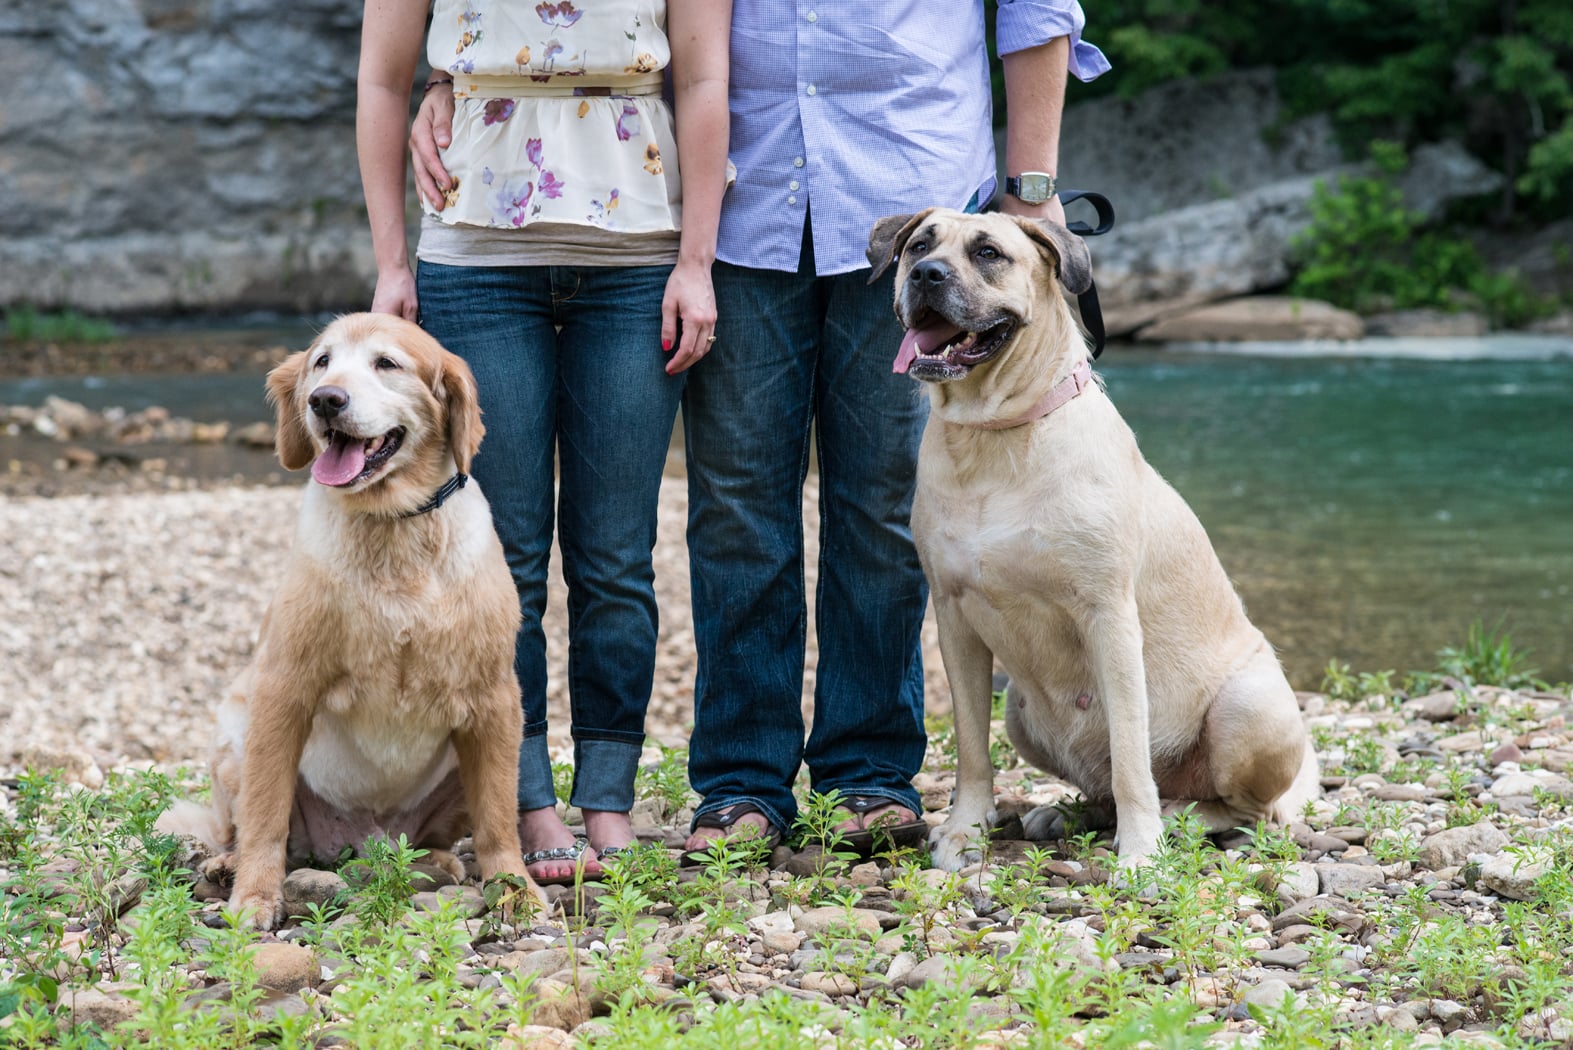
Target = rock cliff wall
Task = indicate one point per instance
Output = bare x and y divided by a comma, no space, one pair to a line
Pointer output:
164,155
159,156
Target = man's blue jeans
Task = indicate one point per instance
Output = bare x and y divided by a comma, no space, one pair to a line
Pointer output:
796,350
595,397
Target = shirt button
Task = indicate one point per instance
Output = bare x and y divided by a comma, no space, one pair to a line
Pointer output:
797,162
812,90
813,16
792,185
792,199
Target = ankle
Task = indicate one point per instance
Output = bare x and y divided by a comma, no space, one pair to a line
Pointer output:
608,827
541,823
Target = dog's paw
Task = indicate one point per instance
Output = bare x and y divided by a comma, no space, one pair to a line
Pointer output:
953,847
264,909
219,870
1136,875
509,868
514,895
1136,842
440,862
1043,823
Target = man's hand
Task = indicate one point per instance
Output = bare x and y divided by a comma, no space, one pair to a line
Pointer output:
431,131
1050,209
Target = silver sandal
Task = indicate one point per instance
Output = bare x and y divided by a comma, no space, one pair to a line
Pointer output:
574,853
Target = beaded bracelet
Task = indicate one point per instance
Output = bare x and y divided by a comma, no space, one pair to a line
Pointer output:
434,82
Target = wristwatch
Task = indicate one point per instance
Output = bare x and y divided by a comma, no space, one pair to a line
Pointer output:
1030,187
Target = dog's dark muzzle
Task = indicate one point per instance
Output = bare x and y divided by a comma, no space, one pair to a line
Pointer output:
945,337
930,273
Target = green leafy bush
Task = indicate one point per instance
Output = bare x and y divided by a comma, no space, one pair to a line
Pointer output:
1366,251
1498,78
27,325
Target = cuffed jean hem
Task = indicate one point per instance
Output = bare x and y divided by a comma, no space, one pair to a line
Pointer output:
604,772
776,818
535,774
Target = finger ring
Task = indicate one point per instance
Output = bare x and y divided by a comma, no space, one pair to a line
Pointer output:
710,340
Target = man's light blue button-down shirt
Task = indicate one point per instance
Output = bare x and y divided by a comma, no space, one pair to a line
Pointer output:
864,108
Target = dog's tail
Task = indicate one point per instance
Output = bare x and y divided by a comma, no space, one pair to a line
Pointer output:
200,822
1307,787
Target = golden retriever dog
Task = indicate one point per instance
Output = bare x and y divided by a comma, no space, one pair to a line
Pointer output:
1051,546
381,699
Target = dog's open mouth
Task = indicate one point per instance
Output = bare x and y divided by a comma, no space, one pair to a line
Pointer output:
349,459
938,350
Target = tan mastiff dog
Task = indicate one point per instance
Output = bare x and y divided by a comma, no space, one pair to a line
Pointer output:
1053,547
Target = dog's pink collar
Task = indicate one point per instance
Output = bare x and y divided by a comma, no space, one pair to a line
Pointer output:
1059,395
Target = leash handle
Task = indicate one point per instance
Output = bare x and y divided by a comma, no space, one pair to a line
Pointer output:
1099,203
1091,312
1092,317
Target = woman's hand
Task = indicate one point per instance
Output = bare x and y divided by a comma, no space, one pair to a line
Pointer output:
395,294
689,299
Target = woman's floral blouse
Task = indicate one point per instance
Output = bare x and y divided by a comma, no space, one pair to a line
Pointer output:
558,113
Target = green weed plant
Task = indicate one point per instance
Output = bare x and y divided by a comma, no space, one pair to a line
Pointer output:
92,897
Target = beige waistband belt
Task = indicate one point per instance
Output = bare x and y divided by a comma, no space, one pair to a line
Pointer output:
465,86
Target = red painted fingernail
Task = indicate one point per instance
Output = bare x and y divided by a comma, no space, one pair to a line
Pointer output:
666,344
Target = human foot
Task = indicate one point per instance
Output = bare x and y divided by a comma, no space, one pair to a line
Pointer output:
741,821
882,814
552,853
875,824
610,832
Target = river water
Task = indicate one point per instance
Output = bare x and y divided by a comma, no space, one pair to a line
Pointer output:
1370,508
1370,500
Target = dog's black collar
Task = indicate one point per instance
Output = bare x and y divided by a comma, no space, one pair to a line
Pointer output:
449,487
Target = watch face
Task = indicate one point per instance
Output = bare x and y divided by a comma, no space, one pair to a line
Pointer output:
1034,187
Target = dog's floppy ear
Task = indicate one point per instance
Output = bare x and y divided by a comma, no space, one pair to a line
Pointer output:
1070,253
457,390
291,439
888,237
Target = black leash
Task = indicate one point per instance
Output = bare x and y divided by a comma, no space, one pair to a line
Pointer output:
449,487
1087,302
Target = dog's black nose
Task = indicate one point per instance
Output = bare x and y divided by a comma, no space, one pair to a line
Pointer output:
929,272
328,401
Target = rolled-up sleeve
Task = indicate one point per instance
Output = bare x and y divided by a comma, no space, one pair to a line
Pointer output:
1030,23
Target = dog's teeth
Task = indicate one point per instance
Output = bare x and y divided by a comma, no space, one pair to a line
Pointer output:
374,444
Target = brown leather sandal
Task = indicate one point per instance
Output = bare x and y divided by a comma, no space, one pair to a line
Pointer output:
885,834
725,817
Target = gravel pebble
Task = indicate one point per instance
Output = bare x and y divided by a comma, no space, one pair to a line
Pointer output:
123,617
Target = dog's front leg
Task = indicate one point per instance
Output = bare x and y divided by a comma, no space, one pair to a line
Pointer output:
1114,637
970,666
488,751
275,738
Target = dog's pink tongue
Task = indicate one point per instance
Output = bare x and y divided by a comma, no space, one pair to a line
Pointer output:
923,341
341,462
